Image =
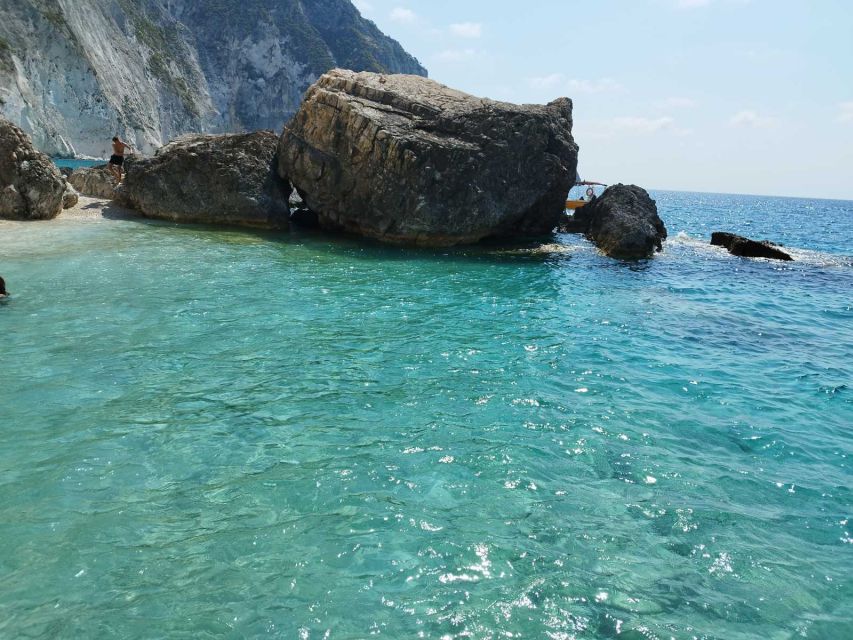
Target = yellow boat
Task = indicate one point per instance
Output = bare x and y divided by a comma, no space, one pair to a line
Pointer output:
577,203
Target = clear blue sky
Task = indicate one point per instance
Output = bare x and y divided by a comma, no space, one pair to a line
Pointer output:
737,96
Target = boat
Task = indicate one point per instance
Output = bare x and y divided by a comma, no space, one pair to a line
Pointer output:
588,193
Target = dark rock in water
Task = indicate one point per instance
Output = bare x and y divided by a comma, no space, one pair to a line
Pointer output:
407,160
217,179
623,222
740,246
70,197
31,186
95,182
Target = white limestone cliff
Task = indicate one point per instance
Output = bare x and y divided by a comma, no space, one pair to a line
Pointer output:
73,73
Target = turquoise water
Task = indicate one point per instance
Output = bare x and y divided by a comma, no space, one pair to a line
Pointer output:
218,433
75,163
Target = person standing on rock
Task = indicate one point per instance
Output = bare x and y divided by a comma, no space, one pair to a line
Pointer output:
117,159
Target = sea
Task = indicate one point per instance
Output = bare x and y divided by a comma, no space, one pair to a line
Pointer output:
221,433
76,163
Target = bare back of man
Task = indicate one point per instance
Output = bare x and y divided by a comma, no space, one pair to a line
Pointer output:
117,159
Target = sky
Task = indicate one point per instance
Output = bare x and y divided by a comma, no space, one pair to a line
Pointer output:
727,96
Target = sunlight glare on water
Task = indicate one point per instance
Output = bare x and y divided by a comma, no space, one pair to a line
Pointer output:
215,433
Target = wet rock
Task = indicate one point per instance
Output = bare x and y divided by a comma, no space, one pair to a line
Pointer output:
31,186
95,182
740,246
70,197
407,160
217,179
623,222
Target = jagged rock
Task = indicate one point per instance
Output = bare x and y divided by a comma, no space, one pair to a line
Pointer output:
740,246
623,222
95,182
66,172
70,197
405,159
31,186
218,179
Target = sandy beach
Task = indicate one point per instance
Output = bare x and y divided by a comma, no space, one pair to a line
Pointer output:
86,209
95,209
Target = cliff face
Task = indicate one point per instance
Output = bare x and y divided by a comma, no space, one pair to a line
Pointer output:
73,73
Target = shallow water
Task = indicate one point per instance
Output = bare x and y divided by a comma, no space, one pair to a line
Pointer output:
212,433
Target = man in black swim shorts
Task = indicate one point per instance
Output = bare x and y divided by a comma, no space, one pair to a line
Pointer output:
117,159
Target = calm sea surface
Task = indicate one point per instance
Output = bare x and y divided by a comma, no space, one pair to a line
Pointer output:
217,433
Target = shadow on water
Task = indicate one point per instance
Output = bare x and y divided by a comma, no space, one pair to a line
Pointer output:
534,250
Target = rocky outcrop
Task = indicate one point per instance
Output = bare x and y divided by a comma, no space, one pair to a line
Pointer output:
740,246
75,73
95,182
405,159
623,222
31,186
70,198
216,179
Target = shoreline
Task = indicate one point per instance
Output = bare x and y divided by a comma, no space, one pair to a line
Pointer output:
87,208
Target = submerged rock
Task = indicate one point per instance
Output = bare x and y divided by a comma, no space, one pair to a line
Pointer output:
31,186
740,246
405,159
95,182
623,222
218,179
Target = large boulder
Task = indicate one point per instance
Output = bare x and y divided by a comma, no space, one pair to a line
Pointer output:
218,179
404,159
740,246
623,222
31,186
95,182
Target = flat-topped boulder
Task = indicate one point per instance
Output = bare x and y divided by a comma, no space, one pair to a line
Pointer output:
744,247
623,222
216,179
31,187
95,182
405,159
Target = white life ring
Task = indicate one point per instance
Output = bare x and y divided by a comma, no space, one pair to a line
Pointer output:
590,192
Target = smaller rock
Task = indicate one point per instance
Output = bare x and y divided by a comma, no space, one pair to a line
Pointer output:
70,197
66,172
623,222
744,247
95,182
31,186
214,179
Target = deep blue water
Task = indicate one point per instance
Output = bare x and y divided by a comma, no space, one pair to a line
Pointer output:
219,433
